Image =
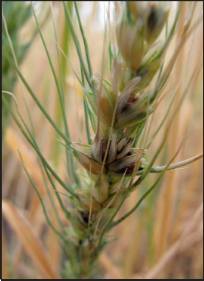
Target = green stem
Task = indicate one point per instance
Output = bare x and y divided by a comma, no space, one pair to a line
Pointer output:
87,121
68,17
84,40
62,103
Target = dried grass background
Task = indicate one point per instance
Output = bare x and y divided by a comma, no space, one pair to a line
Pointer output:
163,239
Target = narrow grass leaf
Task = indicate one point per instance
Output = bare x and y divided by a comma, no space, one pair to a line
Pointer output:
84,39
74,35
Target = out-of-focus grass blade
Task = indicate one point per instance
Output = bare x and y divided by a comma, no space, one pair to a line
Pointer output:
111,55
161,67
74,35
109,266
84,39
62,99
13,141
65,37
28,238
151,203
35,98
56,149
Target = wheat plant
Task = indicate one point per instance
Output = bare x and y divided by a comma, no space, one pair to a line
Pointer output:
120,103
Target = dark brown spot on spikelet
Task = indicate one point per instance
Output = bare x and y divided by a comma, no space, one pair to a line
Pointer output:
132,99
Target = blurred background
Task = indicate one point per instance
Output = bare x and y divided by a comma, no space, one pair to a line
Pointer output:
163,239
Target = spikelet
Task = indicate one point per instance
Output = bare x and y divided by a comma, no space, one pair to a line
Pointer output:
133,51
150,65
126,164
84,155
100,192
139,23
100,146
134,110
85,198
105,99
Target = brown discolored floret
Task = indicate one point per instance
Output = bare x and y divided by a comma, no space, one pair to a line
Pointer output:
132,99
